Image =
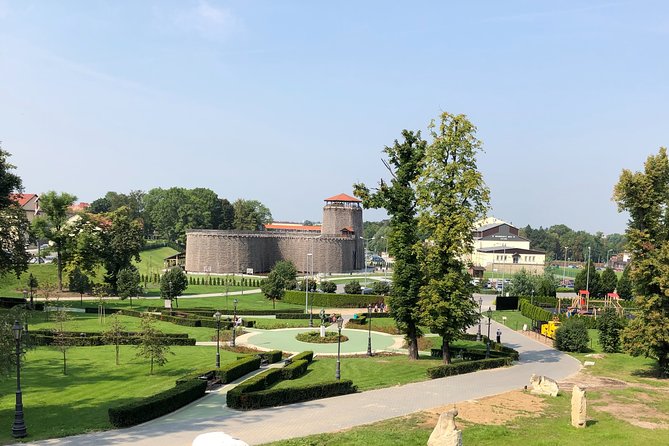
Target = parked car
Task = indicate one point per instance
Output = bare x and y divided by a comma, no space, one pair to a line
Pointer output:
366,290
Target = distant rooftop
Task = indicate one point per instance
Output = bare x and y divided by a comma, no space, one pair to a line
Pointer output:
344,198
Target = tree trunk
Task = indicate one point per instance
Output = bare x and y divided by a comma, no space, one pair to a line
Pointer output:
64,364
151,373
445,351
412,340
273,304
117,349
663,363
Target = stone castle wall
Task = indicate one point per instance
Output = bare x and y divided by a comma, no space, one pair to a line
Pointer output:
235,251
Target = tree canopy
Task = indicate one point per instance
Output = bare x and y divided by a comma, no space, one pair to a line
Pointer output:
13,222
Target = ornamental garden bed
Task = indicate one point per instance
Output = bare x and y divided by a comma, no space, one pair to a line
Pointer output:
315,337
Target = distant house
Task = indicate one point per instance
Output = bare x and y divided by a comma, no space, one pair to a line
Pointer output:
29,203
498,247
78,207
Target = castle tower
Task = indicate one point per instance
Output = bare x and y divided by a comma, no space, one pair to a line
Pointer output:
342,217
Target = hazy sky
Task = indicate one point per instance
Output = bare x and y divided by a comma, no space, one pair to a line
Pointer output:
290,102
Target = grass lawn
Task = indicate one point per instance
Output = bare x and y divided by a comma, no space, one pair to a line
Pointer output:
271,324
91,323
514,319
152,260
255,301
10,286
56,405
367,373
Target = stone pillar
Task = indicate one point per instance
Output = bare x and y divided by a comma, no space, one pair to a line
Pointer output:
578,407
445,433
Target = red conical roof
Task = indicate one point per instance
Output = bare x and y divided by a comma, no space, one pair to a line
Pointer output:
344,198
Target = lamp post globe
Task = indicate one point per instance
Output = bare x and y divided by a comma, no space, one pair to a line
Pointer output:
340,323
19,427
217,316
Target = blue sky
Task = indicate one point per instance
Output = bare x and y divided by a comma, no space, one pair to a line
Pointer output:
290,102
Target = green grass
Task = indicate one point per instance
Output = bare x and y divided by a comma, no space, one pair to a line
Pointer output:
56,405
271,324
152,260
92,323
10,286
367,373
514,319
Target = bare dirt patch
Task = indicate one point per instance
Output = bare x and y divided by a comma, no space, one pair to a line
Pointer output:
637,414
591,382
497,409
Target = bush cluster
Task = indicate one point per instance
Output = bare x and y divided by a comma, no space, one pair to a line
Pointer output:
46,338
572,336
610,327
460,368
157,405
239,368
533,312
295,369
331,300
308,355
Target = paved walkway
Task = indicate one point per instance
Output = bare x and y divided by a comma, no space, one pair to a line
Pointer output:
331,414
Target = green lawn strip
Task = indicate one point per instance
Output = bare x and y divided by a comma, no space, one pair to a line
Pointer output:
152,261
10,286
57,405
552,428
366,373
514,320
624,367
92,323
271,324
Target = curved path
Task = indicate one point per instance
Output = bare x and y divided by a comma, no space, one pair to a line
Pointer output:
332,414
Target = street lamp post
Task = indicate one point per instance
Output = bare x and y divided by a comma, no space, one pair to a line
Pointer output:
503,269
369,330
306,291
340,323
234,321
587,274
564,268
487,345
607,257
19,428
478,333
217,316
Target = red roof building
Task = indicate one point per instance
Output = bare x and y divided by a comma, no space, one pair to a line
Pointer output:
29,203
344,199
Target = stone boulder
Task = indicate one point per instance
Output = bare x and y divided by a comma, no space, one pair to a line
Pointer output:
445,433
542,385
578,407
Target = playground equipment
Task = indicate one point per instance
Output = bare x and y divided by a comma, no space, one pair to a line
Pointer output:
613,300
548,329
580,303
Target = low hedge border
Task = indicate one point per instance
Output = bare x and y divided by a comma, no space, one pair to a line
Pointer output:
157,405
187,321
205,312
315,316
239,368
295,369
539,314
467,367
84,334
308,355
92,341
271,356
252,397
333,300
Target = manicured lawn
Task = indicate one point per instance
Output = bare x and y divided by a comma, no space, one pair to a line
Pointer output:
10,286
367,373
152,260
271,324
514,319
92,323
57,405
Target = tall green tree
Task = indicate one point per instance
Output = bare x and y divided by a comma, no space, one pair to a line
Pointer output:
645,195
610,326
52,225
13,222
286,270
62,339
588,280
451,198
608,281
173,283
128,283
522,284
625,284
122,239
398,198
115,334
79,282
274,287
250,215
547,285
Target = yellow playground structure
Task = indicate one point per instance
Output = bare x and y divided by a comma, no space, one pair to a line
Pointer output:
548,329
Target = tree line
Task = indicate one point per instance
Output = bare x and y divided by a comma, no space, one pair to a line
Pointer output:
555,238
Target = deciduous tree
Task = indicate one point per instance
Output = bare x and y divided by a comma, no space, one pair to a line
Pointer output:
52,225
152,342
128,283
115,334
398,198
608,281
250,215
173,283
13,222
274,287
61,338
645,195
452,197
79,283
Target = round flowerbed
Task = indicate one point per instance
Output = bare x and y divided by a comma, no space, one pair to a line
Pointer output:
315,337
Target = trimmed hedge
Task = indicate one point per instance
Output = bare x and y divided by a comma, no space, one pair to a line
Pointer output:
239,368
315,316
333,300
308,355
97,333
157,405
272,356
237,399
460,368
295,369
206,312
533,312
91,341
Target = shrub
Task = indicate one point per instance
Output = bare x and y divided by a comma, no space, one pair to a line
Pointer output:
460,368
295,369
157,405
328,287
381,287
308,355
239,368
272,356
276,397
353,287
315,337
572,336
533,312
610,326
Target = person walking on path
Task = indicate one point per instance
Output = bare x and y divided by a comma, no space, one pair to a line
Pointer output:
499,336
